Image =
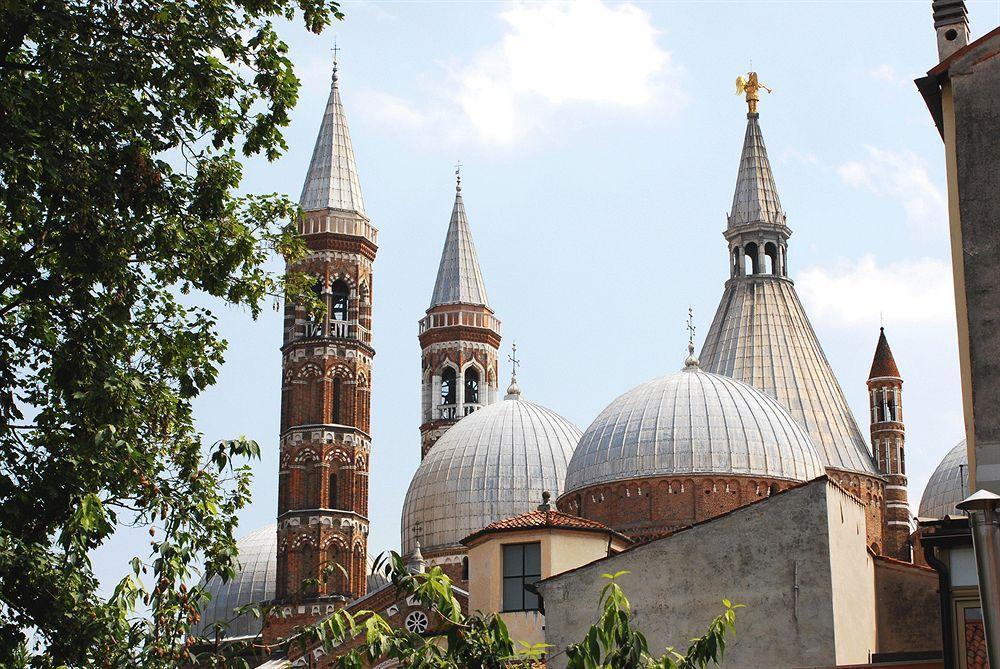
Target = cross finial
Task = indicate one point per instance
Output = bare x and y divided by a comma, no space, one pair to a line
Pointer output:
512,358
691,361
418,527
513,390
335,51
458,176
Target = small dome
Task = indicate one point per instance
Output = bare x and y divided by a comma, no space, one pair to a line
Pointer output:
256,566
947,486
692,422
254,582
492,464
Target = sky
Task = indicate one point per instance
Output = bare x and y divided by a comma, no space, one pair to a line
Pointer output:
599,144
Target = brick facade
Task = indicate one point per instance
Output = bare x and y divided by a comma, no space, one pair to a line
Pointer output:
647,508
325,441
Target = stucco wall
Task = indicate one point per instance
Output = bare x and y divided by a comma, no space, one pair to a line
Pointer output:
908,607
773,556
852,574
560,550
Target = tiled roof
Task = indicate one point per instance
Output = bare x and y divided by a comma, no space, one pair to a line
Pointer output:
332,180
459,279
550,519
883,363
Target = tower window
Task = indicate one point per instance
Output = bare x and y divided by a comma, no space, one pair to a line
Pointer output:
448,386
750,259
337,395
770,258
522,566
471,386
465,568
338,300
331,492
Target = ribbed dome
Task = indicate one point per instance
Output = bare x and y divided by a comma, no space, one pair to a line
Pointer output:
492,464
254,582
692,422
947,486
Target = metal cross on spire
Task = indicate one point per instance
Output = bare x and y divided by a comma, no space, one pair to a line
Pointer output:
335,51
458,176
692,360
512,358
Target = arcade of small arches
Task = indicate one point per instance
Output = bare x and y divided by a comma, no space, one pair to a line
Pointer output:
337,396
758,258
304,554
335,481
347,309
457,392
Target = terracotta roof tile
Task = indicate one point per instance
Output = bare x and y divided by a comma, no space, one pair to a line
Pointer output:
544,520
883,364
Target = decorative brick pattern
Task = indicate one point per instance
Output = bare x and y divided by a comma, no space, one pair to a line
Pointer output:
325,443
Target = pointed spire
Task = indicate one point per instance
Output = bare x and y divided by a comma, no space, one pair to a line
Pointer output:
756,198
883,365
459,279
332,180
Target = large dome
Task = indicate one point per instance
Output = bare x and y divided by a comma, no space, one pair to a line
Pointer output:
692,422
492,464
254,582
947,486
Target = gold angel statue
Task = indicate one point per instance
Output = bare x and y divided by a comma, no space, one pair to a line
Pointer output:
750,86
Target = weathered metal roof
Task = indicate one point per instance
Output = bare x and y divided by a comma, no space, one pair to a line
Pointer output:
692,422
883,364
493,464
762,336
332,180
948,485
459,279
254,582
756,197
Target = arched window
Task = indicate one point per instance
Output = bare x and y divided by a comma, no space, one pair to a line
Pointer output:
331,492
770,258
338,300
750,260
337,396
471,386
465,568
736,261
448,389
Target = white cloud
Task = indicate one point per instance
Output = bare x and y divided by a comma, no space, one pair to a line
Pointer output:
793,155
903,177
552,55
857,292
884,73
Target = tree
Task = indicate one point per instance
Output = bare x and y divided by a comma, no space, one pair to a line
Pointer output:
120,127
482,640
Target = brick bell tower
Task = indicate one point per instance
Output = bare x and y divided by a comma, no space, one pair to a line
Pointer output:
459,336
885,395
325,393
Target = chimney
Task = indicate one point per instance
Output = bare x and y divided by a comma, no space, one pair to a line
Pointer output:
951,21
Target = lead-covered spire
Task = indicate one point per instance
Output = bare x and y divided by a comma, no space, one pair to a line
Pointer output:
459,279
332,180
756,200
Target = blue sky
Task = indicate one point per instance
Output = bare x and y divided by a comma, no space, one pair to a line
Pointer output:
599,144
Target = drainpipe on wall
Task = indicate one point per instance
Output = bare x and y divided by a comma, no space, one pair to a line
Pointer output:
984,515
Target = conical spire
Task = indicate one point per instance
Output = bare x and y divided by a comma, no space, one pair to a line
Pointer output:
756,198
459,279
332,181
883,365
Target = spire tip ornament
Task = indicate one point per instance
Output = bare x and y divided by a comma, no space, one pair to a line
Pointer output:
750,87
513,390
691,362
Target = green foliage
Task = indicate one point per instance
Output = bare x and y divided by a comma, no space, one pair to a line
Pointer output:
121,124
457,640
